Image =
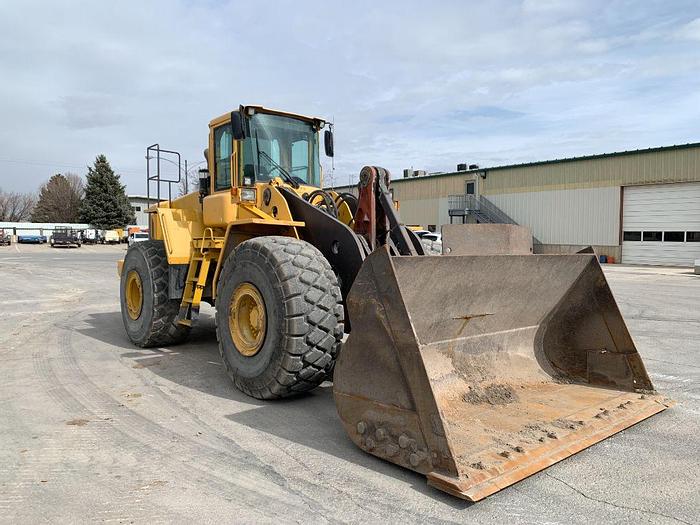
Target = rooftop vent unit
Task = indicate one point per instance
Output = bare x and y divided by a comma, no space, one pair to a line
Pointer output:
420,173
461,167
407,173
473,166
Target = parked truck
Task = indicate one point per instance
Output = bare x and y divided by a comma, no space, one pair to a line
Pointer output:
111,237
91,236
5,238
65,237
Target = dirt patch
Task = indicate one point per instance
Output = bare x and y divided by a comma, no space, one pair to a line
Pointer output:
496,394
77,422
565,424
132,395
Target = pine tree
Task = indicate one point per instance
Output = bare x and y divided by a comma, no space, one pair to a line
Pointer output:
105,205
59,199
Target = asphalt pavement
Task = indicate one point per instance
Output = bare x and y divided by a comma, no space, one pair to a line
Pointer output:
95,429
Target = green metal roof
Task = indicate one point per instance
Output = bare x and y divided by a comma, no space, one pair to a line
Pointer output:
554,161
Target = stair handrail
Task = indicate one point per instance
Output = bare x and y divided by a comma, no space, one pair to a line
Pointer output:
498,215
204,238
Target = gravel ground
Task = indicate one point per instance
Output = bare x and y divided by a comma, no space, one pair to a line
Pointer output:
94,429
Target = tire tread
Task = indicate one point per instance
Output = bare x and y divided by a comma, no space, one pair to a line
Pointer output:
164,331
313,323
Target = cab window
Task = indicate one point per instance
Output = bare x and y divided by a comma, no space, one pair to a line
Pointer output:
223,141
280,146
300,159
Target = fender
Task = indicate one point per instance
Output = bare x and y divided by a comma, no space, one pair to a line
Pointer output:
343,249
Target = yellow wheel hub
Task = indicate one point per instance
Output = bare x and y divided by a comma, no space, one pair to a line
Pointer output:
247,319
134,294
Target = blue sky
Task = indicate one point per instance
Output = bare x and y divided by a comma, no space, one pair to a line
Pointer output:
408,84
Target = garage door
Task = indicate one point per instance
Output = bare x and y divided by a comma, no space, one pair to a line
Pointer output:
661,224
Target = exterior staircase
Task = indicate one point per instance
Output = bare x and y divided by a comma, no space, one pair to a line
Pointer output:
481,209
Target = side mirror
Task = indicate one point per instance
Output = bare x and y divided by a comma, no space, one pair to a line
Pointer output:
328,142
237,125
204,183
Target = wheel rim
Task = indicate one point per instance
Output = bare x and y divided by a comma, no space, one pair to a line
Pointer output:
134,294
247,319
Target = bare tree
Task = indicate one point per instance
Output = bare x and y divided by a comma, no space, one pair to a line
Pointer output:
191,185
59,199
16,207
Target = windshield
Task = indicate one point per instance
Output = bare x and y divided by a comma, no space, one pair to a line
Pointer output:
283,147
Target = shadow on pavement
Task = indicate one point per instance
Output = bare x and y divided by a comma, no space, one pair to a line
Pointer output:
309,420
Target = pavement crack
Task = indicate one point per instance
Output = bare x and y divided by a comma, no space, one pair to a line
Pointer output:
617,505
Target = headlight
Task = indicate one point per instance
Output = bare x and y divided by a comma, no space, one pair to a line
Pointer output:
248,194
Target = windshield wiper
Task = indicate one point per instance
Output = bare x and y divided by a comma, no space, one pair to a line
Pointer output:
285,174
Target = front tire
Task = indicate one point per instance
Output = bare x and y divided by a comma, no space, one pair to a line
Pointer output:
148,312
290,291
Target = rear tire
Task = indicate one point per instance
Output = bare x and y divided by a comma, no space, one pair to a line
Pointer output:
155,322
303,317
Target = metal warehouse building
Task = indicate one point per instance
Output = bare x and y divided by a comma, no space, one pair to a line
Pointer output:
640,207
139,204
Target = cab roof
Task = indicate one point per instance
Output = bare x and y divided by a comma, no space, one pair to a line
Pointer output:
261,109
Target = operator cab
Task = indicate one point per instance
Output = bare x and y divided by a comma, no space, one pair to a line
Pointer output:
257,145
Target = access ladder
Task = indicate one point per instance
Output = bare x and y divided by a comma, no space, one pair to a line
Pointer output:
205,250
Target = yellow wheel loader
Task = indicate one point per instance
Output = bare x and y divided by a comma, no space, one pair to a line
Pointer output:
476,368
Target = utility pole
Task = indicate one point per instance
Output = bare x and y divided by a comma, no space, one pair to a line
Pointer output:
186,177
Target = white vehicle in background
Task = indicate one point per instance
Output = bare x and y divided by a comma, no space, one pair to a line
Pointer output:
428,235
111,237
92,236
138,237
431,241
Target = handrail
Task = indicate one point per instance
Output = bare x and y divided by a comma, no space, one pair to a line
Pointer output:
481,205
156,176
204,238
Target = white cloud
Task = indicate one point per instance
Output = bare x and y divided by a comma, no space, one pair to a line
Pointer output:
407,83
690,31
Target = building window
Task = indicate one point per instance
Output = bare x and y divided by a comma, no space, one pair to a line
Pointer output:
136,208
652,236
632,236
674,236
692,236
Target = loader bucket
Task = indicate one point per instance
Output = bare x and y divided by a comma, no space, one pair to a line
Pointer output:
479,371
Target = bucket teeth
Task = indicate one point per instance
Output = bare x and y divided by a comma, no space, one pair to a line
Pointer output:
479,371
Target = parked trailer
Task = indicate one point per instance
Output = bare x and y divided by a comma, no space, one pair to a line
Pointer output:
65,237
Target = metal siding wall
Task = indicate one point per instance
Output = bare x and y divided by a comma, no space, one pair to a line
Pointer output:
675,165
443,212
429,187
423,211
672,165
582,216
